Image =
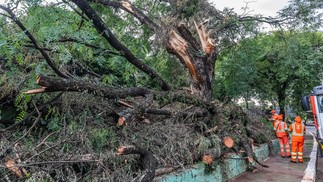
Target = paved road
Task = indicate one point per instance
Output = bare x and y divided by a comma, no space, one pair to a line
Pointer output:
280,169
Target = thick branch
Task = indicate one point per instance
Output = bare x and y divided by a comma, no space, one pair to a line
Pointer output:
115,43
51,84
86,44
148,160
55,84
130,8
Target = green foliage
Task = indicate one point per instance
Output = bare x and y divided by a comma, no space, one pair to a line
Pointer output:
54,123
22,103
203,144
304,14
282,65
102,137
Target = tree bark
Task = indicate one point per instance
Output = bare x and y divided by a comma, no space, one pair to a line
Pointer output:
50,84
281,94
148,160
55,84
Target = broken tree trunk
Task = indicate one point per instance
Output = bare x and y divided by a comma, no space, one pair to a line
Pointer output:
199,59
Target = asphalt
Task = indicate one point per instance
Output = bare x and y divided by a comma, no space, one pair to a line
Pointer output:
319,169
281,170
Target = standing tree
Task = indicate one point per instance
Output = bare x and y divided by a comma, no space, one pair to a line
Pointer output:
282,65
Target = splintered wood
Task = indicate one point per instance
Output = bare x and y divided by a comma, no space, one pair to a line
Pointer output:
207,43
179,46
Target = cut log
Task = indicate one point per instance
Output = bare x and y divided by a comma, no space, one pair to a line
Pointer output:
228,142
210,155
207,159
121,121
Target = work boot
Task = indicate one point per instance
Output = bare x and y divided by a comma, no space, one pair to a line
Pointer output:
283,156
292,161
300,161
289,156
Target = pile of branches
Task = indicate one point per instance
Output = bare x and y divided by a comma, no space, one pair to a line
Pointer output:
78,136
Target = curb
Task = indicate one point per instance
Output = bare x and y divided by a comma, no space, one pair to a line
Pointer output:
310,171
224,170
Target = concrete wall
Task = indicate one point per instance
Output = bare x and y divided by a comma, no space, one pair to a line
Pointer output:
221,171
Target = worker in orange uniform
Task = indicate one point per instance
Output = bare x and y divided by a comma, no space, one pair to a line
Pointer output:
282,134
273,116
298,130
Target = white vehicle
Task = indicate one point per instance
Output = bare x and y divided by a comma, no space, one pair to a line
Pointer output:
314,104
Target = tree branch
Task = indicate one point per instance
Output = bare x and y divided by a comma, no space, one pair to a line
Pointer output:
51,84
130,8
115,43
148,160
33,40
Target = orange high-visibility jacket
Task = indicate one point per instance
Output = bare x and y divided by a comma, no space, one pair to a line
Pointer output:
281,128
298,130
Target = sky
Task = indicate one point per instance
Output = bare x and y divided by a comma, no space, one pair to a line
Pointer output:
264,7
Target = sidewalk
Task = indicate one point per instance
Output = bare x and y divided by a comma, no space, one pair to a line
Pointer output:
280,169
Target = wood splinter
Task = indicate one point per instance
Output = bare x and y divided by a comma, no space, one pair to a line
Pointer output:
36,91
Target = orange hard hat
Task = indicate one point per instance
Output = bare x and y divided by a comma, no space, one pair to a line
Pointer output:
298,119
279,117
273,111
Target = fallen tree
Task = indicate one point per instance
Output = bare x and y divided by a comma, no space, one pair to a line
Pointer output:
166,127
234,131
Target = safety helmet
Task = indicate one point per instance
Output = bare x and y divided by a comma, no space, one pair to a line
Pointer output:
279,117
298,119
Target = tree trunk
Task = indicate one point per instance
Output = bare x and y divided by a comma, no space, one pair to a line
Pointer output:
198,58
281,96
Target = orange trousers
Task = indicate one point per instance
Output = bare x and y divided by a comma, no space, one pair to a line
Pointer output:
297,150
284,144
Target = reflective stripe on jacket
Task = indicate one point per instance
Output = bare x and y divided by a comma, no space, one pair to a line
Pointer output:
298,131
280,128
